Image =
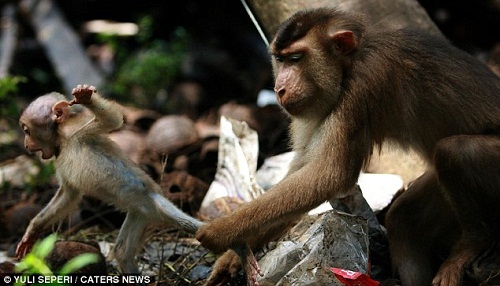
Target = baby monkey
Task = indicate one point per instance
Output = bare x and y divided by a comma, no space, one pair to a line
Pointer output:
88,163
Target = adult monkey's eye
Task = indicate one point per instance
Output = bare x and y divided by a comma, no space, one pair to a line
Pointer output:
279,58
295,57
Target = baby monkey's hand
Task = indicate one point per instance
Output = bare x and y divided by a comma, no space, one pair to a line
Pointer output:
82,94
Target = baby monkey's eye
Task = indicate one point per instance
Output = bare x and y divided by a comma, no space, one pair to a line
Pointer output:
26,130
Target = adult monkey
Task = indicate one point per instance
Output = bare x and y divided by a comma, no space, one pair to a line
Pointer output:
348,88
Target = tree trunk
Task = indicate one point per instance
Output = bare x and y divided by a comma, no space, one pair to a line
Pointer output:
8,38
62,45
382,13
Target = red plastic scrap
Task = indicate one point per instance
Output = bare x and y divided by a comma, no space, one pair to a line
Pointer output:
352,278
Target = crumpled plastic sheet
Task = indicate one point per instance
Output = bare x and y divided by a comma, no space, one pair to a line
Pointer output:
237,163
356,204
335,239
274,169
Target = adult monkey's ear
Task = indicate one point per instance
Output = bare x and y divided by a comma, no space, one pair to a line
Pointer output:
344,41
60,111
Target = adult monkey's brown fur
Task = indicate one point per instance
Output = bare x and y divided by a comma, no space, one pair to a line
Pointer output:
89,163
348,88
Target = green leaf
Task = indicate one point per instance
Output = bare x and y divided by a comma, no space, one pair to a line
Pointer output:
42,248
31,264
79,262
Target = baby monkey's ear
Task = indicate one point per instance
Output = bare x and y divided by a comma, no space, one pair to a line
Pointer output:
60,111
